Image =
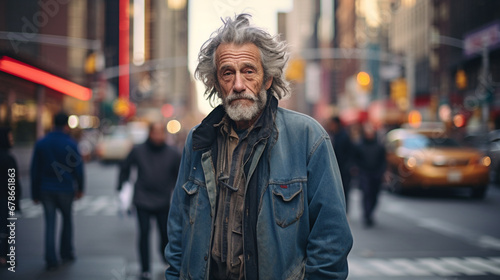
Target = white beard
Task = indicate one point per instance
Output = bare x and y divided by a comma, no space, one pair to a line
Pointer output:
240,112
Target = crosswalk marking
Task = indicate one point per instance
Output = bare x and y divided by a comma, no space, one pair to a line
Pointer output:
82,203
436,266
98,205
105,205
357,268
386,268
485,265
461,266
360,268
411,267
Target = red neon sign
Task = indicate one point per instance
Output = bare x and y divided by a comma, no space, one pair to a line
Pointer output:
123,49
35,75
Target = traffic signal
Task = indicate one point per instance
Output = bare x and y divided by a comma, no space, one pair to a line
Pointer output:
461,79
364,80
123,108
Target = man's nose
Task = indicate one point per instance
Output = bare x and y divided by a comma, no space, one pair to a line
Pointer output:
239,83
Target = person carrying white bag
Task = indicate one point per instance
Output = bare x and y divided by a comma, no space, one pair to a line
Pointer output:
157,165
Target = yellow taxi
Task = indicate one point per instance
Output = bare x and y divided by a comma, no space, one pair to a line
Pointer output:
424,159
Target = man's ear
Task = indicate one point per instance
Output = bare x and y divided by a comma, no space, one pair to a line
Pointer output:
269,82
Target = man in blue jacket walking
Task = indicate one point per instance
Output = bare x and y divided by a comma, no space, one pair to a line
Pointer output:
56,180
259,193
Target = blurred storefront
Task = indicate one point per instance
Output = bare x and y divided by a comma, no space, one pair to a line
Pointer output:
455,55
53,38
30,96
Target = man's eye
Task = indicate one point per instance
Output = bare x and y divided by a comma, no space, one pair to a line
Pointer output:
227,73
249,72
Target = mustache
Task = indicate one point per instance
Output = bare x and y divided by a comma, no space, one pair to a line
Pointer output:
236,96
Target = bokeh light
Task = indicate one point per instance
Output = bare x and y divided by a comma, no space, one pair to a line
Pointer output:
73,121
173,126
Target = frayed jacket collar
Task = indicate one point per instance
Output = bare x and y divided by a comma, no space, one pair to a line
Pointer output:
206,133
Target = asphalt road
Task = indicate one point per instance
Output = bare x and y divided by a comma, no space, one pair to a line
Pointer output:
425,236
105,242
428,236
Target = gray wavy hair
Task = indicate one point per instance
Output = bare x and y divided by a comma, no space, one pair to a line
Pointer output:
273,53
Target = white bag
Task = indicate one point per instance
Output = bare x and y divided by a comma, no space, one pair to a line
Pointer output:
125,198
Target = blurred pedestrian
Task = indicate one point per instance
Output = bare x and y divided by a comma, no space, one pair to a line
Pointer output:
343,148
10,189
56,180
370,158
259,193
157,165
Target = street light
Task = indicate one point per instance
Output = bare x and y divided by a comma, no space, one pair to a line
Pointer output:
176,4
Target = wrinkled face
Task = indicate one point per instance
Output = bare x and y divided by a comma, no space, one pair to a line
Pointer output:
241,82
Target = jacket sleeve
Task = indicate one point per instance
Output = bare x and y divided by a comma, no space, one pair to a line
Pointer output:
330,238
176,222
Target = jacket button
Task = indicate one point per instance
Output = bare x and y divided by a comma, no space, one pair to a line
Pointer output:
206,257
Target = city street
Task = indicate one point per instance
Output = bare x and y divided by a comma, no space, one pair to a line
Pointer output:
401,87
443,236
105,242
415,237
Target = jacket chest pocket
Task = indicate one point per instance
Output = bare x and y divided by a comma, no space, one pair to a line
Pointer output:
288,202
192,191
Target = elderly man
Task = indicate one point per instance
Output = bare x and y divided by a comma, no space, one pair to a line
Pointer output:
259,194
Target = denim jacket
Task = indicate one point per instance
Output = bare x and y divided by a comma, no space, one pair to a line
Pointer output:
301,227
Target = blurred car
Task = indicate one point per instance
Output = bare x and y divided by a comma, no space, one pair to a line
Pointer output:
138,132
423,159
117,142
114,145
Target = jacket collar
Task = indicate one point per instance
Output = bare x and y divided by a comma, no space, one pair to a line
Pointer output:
206,133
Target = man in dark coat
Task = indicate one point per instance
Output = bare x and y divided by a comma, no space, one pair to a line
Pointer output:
343,147
157,166
56,180
370,158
